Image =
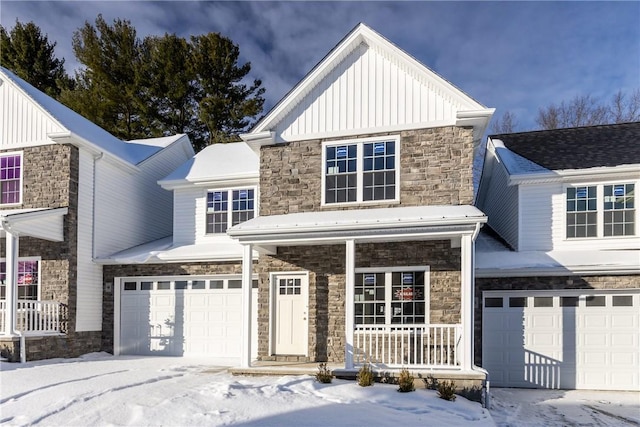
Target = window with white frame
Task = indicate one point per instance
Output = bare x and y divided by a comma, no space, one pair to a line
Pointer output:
391,297
361,170
602,210
28,278
226,208
10,178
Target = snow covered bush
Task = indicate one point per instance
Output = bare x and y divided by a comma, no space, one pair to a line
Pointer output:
365,376
324,374
405,381
447,390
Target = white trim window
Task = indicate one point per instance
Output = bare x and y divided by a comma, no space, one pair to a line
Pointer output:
28,278
11,178
394,296
600,210
235,204
361,171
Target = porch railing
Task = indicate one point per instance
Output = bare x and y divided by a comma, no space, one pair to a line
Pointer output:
393,346
35,317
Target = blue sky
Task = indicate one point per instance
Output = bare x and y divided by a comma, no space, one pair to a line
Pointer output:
514,56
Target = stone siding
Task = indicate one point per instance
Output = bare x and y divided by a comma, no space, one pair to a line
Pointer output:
436,168
542,283
137,270
326,266
52,346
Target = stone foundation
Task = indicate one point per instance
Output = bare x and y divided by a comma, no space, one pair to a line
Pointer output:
51,346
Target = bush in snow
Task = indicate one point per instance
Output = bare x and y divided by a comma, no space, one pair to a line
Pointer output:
365,376
447,390
324,374
405,381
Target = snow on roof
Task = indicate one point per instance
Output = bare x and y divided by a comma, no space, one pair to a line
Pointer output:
163,250
217,162
515,163
361,219
82,127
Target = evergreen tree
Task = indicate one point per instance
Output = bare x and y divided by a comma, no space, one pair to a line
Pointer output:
30,55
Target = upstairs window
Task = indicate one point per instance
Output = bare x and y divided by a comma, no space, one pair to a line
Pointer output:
361,171
10,178
601,211
226,208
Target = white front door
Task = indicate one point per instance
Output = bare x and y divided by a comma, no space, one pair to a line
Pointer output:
290,314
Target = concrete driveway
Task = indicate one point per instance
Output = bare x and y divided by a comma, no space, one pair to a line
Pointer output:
528,407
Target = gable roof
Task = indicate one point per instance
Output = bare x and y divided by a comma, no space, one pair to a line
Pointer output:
81,129
579,147
366,83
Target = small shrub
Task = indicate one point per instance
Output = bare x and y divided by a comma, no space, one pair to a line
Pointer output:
405,381
447,390
365,376
324,374
431,382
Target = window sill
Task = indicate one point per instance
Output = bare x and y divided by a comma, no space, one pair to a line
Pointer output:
361,204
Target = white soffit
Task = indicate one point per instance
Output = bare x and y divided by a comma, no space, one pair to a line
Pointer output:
46,224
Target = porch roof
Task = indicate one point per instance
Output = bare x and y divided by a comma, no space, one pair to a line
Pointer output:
378,224
41,223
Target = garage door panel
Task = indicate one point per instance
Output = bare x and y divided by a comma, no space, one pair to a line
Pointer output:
583,346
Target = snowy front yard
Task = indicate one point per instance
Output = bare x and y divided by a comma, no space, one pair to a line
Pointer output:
99,389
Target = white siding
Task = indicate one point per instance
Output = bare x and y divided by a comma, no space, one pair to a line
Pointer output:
131,208
367,89
23,122
184,214
89,275
536,216
500,201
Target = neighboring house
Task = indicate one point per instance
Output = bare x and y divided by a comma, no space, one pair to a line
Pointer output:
558,284
182,295
69,192
367,225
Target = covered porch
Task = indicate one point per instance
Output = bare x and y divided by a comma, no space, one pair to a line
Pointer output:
381,335
28,317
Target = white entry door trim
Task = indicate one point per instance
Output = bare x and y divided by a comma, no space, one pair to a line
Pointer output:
298,327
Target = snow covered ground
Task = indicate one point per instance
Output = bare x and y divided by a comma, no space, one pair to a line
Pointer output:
99,389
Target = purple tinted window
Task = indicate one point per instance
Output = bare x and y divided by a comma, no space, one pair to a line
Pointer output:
10,179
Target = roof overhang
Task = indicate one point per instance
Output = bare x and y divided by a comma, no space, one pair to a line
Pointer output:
362,225
571,175
46,224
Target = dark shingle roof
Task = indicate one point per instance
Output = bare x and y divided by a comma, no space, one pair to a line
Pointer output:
578,148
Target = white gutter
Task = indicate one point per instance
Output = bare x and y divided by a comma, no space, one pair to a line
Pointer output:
607,172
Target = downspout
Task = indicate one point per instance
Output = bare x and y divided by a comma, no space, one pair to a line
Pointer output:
486,397
93,205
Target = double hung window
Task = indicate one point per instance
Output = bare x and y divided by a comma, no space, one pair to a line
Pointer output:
361,171
28,278
10,178
602,210
226,208
391,297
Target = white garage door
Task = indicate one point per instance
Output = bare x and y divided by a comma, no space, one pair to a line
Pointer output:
562,339
185,315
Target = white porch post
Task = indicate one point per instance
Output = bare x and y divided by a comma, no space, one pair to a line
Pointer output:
350,261
11,287
247,282
467,291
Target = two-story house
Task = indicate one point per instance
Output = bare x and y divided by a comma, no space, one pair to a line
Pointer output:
69,192
558,284
182,295
367,226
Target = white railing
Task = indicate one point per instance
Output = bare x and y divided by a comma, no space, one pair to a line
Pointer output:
393,346
34,317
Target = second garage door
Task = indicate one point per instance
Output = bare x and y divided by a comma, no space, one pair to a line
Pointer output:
184,315
562,339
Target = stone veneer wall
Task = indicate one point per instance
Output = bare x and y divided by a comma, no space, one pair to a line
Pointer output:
541,283
326,265
436,168
50,180
137,270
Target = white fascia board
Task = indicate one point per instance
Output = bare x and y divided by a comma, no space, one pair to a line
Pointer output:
569,175
229,181
556,271
93,149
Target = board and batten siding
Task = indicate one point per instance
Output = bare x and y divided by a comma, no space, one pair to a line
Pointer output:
536,216
24,123
367,90
501,202
131,208
89,274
